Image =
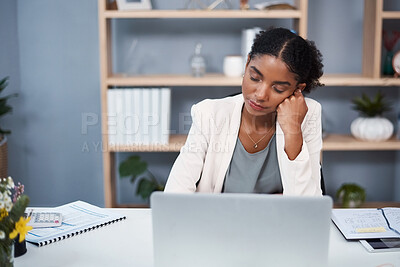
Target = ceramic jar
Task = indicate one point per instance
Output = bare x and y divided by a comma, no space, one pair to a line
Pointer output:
372,129
233,66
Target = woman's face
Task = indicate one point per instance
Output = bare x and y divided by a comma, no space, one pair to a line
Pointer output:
266,83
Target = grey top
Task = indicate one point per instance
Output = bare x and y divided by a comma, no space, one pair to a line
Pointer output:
254,172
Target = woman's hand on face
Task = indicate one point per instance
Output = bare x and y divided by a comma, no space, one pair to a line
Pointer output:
291,113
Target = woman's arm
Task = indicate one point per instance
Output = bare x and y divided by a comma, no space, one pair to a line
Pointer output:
187,169
290,115
302,175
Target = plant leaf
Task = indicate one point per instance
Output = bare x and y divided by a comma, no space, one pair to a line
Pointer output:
371,108
132,166
2,131
145,188
3,83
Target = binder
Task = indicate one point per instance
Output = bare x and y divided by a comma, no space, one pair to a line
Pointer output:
78,217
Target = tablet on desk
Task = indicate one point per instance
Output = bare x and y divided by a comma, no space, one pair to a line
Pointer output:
381,245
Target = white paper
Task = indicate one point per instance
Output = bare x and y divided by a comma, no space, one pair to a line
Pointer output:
393,216
349,220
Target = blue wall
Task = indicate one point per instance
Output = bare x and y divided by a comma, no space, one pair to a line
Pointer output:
50,50
58,84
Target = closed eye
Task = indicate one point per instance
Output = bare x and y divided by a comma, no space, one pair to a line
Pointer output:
254,79
279,91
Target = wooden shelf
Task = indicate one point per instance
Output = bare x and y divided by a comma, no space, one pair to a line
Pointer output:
213,79
358,80
391,14
338,142
203,14
332,142
175,144
218,79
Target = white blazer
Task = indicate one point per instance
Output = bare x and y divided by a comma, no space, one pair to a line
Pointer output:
204,159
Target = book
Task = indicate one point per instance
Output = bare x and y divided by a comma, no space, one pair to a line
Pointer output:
165,115
111,117
137,109
120,111
78,217
128,117
145,129
155,116
357,224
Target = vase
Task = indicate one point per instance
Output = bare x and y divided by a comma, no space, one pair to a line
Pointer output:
387,64
19,248
375,129
7,256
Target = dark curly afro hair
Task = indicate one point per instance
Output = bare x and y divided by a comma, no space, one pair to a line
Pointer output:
301,56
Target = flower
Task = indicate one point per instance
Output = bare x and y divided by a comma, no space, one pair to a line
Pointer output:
10,182
12,215
390,39
21,228
3,213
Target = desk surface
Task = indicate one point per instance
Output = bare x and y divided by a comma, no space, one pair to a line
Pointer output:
130,243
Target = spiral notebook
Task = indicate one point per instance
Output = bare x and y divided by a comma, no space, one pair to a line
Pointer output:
78,217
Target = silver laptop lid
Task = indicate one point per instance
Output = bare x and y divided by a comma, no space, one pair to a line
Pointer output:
230,230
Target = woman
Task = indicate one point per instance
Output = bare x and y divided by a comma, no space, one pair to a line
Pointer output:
265,140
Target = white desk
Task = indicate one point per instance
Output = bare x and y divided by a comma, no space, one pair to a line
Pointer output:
129,243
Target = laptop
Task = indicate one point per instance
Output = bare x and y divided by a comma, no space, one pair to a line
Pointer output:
208,230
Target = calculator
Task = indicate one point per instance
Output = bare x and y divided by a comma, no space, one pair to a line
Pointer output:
41,219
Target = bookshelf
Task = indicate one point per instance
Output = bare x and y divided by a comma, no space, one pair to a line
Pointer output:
370,76
107,12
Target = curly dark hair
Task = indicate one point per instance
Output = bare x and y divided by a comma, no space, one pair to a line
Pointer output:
301,56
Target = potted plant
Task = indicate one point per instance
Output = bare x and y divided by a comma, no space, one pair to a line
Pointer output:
350,195
137,170
13,222
371,126
4,109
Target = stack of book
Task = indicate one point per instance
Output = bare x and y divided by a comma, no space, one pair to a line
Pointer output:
138,116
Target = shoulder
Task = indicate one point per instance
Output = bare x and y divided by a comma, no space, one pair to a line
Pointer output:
311,103
314,107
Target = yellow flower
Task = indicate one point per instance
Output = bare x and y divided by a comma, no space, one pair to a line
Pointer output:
3,213
21,228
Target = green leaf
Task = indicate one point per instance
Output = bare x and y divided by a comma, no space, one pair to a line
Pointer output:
145,188
4,109
132,166
19,207
3,83
4,131
350,192
371,108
